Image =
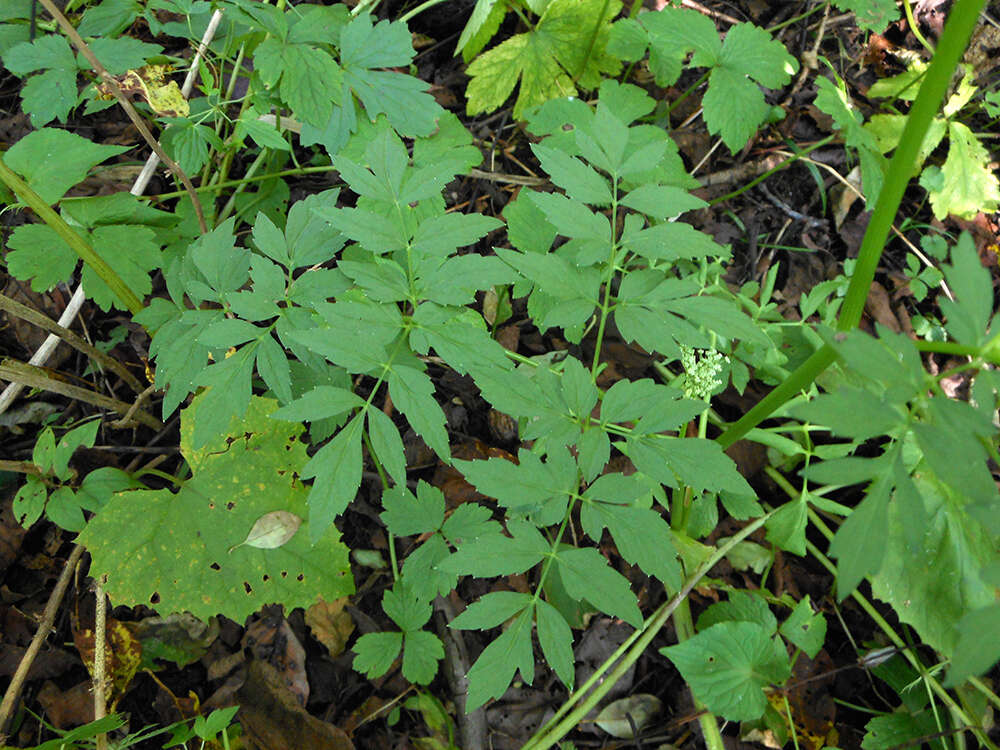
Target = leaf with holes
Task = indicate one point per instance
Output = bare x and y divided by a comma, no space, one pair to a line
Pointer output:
189,551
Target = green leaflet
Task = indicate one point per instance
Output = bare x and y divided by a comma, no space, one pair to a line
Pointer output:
365,48
527,486
833,99
494,670
871,15
805,628
406,514
952,549
33,157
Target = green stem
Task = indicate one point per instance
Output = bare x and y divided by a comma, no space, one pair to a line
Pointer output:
784,165
949,347
231,203
684,627
915,27
161,474
608,278
426,5
687,92
794,19
961,21
79,245
567,717
233,183
385,485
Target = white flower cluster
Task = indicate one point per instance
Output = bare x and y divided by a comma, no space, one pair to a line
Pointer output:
700,369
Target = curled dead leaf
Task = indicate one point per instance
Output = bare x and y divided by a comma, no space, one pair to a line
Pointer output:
271,530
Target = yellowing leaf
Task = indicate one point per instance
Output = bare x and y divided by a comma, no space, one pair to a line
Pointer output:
150,84
968,185
640,708
271,530
568,46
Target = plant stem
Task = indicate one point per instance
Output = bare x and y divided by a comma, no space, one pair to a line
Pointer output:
233,183
608,279
961,21
590,45
915,27
628,653
783,165
709,724
77,243
115,89
426,5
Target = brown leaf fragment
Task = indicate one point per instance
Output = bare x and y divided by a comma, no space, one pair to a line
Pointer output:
330,624
272,718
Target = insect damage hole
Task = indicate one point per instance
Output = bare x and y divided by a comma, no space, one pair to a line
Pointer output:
215,566
247,587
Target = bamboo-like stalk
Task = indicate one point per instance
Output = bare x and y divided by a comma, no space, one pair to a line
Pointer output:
961,22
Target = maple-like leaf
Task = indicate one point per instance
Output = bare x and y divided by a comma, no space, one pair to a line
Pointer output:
568,47
182,551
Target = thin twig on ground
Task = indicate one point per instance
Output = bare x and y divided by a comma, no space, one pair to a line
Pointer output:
48,618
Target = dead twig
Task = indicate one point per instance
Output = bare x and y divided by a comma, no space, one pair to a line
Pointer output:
36,377
10,698
91,352
472,729
140,125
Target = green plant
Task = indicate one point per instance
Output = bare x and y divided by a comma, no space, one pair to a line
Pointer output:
734,106
963,185
199,732
51,491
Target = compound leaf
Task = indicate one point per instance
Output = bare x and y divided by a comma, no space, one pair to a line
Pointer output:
968,185
569,43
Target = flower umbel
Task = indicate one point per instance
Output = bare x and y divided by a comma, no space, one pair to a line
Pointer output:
700,369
